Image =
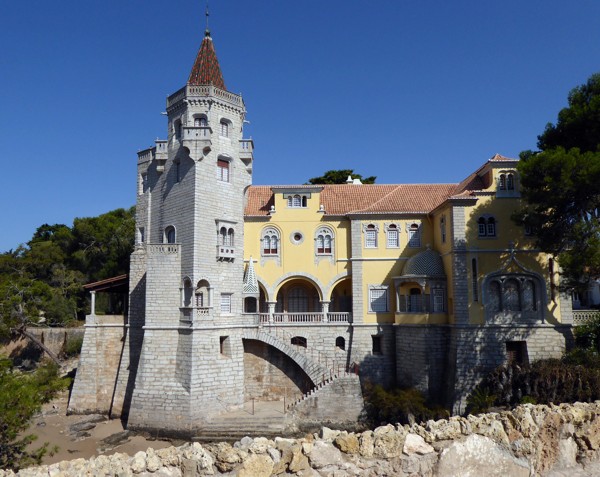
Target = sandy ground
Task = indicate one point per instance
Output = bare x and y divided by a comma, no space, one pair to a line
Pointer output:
52,425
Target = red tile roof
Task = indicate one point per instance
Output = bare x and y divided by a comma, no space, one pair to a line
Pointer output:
347,199
362,199
206,69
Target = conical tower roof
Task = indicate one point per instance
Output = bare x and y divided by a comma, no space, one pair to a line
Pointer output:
206,69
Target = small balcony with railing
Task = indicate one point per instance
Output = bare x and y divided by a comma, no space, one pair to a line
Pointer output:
246,149
421,308
286,318
199,134
225,252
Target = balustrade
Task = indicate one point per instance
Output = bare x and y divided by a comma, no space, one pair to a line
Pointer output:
582,317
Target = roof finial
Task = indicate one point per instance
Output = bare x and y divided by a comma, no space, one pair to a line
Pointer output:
207,31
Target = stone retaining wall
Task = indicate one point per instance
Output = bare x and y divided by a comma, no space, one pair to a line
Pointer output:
530,440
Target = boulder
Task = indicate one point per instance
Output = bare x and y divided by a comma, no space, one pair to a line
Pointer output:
256,465
415,444
478,455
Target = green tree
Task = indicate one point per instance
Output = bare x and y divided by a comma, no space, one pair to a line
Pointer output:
21,396
561,187
578,124
340,176
102,245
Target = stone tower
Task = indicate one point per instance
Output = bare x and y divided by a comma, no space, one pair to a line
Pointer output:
186,277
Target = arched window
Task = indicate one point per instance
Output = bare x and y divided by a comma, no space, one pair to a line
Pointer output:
270,242
486,226
510,295
510,182
324,241
529,302
250,304
513,294
202,293
340,343
229,241
491,227
224,128
443,228
299,341
187,293
297,300
200,122
223,170
177,129
474,279
223,236
414,236
371,236
495,297
502,182
169,234
392,236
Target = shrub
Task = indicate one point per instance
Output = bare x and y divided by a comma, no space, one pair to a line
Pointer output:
480,401
399,405
72,346
21,396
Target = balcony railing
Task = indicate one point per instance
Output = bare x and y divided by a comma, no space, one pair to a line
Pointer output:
225,251
582,317
317,317
419,304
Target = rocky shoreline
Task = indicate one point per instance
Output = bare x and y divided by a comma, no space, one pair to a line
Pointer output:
530,440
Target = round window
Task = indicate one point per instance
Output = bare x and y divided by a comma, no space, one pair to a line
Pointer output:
296,238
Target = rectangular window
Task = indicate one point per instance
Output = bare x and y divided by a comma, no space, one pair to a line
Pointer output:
376,349
142,234
474,280
393,240
370,238
443,228
223,170
225,303
378,299
439,300
414,236
225,346
516,352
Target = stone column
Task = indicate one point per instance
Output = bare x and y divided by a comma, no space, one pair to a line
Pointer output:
271,305
325,310
93,303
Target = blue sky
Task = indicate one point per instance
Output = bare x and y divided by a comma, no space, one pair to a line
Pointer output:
409,91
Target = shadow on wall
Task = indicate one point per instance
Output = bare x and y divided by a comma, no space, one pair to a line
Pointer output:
133,339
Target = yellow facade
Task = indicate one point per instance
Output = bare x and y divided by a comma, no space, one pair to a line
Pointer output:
487,267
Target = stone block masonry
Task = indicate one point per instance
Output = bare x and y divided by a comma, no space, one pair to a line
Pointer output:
529,440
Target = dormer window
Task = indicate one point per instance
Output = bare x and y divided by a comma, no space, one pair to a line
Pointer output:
297,201
506,184
510,182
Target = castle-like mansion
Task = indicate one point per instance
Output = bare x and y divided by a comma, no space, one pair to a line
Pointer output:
241,292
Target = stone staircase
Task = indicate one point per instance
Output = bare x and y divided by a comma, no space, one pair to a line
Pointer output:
268,420
319,387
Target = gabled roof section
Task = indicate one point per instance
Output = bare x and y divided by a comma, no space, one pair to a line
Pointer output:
206,69
347,199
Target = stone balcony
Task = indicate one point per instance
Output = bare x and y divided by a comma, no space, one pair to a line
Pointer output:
225,252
